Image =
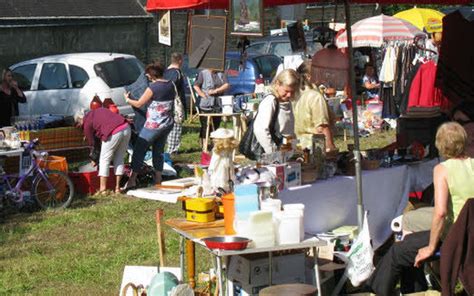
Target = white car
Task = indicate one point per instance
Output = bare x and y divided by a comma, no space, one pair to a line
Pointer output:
63,84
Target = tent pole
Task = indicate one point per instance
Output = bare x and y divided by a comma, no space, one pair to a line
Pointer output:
355,127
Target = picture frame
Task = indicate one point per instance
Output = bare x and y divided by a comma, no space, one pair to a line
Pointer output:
246,17
206,40
164,28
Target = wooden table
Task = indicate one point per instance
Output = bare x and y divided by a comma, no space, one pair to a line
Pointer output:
236,120
194,232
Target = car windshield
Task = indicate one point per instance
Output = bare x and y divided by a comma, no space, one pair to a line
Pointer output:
119,72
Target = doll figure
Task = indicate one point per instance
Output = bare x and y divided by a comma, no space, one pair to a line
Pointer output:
221,168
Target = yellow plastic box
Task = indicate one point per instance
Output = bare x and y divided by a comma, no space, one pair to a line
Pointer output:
200,209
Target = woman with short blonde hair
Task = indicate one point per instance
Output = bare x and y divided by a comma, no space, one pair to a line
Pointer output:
451,140
275,113
453,185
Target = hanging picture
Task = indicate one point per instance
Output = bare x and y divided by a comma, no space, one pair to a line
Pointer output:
164,28
207,41
247,17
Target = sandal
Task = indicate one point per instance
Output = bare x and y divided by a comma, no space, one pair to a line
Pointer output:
103,193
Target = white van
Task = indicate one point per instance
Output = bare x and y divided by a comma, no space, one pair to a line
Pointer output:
63,84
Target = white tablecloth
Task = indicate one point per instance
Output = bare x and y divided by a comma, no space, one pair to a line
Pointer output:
332,203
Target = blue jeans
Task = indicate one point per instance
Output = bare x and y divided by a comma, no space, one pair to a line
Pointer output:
156,138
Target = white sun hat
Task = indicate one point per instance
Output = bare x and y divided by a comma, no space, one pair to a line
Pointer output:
222,133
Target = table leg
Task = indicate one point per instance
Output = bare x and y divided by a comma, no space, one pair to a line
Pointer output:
208,127
316,270
181,257
270,268
219,275
190,263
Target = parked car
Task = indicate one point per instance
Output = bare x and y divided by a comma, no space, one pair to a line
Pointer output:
280,45
63,84
242,77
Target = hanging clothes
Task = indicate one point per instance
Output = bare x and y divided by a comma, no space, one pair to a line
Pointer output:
387,72
456,62
423,92
390,108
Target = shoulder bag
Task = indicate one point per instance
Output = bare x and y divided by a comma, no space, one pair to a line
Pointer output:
178,107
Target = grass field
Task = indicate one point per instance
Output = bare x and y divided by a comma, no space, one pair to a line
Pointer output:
83,250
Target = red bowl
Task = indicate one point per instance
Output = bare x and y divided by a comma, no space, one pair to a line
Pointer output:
226,242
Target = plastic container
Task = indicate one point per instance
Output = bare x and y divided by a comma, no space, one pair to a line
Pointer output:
298,209
89,182
288,228
261,229
52,162
246,200
272,205
229,213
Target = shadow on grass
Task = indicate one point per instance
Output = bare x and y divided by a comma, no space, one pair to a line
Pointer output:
82,201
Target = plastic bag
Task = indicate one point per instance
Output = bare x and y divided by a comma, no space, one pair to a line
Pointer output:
360,257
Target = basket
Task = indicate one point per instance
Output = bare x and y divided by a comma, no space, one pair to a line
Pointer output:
53,162
370,164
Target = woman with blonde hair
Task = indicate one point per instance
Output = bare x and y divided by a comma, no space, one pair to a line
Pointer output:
275,113
453,179
312,113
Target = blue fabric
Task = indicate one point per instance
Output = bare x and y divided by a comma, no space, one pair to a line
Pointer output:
156,138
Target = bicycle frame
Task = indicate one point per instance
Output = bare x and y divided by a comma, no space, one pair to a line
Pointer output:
34,167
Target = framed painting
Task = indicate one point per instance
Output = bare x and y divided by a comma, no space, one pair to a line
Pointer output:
164,28
246,17
207,41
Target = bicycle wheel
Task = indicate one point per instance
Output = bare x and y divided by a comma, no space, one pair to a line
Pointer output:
54,191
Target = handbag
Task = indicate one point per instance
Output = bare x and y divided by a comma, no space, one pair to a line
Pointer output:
178,107
249,145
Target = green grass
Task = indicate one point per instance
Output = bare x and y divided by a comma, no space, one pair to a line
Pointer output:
83,250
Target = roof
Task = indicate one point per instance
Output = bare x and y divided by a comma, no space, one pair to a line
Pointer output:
88,57
89,9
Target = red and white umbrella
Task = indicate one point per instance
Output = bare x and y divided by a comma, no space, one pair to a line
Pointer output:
373,31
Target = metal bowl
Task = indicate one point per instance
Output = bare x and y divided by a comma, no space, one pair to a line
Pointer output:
226,242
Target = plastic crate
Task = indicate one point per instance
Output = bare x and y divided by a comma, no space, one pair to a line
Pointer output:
53,162
88,182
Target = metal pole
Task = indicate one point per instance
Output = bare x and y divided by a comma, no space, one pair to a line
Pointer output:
355,127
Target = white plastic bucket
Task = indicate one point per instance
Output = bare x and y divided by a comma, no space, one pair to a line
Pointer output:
288,231
299,210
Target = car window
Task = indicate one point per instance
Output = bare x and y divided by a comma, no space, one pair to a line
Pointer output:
257,47
233,67
79,76
268,65
53,76
281,48
24,76
119,72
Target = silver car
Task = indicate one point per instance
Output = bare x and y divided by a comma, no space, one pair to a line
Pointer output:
63,84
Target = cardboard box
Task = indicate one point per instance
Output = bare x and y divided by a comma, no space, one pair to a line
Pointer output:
252,270
293,175
289,174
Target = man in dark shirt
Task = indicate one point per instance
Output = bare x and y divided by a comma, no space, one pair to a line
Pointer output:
173,73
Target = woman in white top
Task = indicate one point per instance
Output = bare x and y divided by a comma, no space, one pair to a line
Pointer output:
275,113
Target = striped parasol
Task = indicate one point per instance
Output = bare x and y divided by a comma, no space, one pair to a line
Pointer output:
373,31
